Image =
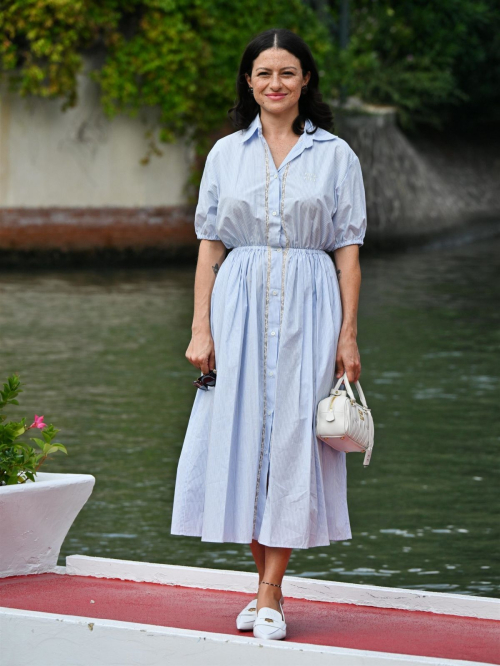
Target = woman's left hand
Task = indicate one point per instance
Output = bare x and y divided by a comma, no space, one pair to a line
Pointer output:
348,359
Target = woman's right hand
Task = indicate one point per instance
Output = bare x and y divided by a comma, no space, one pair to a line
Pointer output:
201,351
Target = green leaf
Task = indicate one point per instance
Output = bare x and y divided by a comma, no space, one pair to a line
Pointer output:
59,446
54,448
38,441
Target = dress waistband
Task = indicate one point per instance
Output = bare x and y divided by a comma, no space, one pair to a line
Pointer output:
279,248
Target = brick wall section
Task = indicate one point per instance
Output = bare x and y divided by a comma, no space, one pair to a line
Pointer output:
91,229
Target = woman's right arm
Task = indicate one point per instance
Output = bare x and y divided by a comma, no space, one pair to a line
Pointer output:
201,350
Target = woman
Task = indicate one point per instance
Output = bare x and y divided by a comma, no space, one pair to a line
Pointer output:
280,322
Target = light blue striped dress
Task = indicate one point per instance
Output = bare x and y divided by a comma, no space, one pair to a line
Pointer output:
251,465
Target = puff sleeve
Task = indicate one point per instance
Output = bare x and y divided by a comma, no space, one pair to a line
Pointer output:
206,211
349,219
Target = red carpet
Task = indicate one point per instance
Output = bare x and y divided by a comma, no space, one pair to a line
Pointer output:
341,625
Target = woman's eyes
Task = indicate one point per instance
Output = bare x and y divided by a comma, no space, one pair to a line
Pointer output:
284,73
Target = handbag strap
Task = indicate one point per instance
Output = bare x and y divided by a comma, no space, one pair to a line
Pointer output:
349,389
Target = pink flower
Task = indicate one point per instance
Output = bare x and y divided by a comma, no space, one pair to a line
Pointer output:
38,423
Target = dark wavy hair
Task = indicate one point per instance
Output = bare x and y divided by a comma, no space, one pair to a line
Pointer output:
311,103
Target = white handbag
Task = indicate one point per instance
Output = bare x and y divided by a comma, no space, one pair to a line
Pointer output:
343,424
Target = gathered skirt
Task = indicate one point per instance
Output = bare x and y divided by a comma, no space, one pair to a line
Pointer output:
251,466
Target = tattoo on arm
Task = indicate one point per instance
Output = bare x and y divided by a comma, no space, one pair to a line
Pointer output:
338,273
215,268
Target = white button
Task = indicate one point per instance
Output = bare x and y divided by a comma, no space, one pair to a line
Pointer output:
274,292
278,249
270,411
273,332
274,212
276,175
271,372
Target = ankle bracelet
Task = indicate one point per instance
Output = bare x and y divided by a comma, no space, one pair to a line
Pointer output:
275,585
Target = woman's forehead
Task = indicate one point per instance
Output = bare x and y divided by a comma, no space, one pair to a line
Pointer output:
276,58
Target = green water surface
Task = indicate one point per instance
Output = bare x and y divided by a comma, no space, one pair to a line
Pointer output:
102,357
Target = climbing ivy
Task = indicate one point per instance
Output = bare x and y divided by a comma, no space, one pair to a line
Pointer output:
42,42
181,56
178,56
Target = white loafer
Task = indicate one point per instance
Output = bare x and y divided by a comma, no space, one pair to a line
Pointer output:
270,623
245,620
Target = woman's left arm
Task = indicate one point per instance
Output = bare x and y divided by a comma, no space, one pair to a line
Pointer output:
349,277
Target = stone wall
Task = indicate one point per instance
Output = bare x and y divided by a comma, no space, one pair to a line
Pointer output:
423,184
79,158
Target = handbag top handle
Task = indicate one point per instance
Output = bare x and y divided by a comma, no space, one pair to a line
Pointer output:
349,389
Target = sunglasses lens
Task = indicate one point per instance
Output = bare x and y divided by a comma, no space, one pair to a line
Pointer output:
205,380
200,386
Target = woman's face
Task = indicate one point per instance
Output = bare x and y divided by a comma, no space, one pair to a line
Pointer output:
277,80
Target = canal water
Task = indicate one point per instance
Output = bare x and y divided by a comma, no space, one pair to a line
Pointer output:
101,355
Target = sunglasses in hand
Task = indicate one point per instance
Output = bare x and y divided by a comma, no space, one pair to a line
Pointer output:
207,380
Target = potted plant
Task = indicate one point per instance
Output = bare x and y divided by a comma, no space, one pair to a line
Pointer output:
36,508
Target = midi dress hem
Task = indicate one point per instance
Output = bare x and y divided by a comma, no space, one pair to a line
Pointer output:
263,543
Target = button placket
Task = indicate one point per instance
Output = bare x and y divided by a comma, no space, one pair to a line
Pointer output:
272,318
274,311
259,499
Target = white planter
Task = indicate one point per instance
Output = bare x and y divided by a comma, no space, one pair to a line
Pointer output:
35,517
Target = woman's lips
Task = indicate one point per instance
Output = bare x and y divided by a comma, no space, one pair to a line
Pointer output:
276,95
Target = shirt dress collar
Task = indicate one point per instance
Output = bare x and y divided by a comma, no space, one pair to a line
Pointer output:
319,135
